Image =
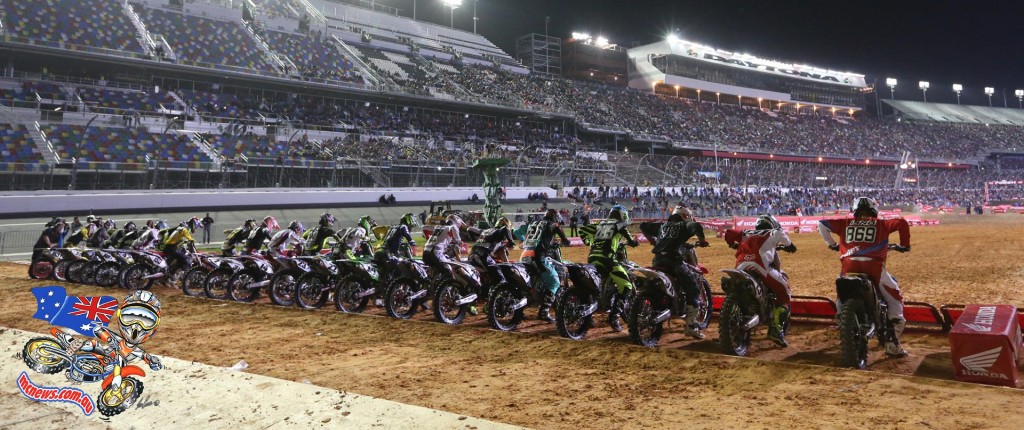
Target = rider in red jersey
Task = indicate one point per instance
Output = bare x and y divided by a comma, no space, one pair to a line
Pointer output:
756,252
863,246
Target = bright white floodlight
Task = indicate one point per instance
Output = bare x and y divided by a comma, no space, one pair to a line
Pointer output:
890,82
672,38
452,3
923,85
580,36
958,87
990,90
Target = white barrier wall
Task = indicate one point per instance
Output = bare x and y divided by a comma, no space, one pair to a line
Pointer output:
16,203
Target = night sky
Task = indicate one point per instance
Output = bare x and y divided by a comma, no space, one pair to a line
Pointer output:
976,43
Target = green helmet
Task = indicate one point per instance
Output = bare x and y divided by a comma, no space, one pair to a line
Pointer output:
407,220
367,223
619,212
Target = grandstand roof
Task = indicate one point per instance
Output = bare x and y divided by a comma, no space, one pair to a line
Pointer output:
945,112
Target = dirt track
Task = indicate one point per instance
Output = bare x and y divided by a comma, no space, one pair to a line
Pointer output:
538,380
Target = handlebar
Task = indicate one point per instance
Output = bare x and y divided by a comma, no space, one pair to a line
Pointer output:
897,248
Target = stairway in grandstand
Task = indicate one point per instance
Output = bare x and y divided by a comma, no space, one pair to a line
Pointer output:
205,147
631,170
43,145
374,172
146,39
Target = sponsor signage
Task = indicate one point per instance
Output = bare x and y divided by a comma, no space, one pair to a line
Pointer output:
986,344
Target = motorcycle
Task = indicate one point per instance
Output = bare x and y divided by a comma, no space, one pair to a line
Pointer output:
83,271
408,288
44,265
51,355
313,288
283,285
862,315
245,285
506,302
354,290
148,266
108,272
216,283
748,302
658,300
455,293
589,294
192,283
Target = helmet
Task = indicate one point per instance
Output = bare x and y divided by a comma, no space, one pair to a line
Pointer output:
455,220
109,224
130,227
367,222
503,222
296,227
864,207
767,222
90,218
249,223
327,219
551,215
681,213
138,316
271,223
407,220
620,213
160,225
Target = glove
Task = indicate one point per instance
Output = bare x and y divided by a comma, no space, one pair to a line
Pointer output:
154,363
703,244
834,247
633,243
789,248
734,245
901,248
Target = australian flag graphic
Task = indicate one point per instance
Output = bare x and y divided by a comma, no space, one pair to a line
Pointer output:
80,314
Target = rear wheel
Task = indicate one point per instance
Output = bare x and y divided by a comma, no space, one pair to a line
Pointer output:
350,295
135,277
643,328
732,335
239,286
216,284
569,319
853,345
75,271
397,300
40,269
704,303
106,274
311,291
500,314
445,308
60,270
39,356
282,287
88,273
192,284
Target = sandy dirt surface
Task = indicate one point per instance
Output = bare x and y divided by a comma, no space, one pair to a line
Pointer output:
535,379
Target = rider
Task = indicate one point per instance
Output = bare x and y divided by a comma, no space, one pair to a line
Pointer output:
863,247
536,248
147,237
260,234
671,253
493,242
756,252
393,240
138,317
236,236
50,238
178,244
441,243
279,243
316,236
352,241
120,235
605,239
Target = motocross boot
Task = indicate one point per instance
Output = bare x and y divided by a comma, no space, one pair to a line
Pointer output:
692,329
544,313
777,332
615,312
893,348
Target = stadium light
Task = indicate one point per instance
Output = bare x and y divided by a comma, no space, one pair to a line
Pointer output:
988,92
891,82
601,42
923,85
677,91
672,38
719,95
759,100
957,88
580,36
698,96
1020,97
453,4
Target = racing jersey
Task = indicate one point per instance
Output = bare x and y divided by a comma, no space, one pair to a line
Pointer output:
257,236
315,238
147,239
673,236
352,236
864,237
493,240
757,246
443,237
605,237
538,238
178,236
394,238
235,237
279,243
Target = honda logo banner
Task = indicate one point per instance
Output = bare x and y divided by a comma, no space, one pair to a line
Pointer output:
986,342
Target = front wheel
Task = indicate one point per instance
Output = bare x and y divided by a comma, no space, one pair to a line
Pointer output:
106,274
397,300
732,334
76,269
500,304
283,286
853,345
216,284
445,308
311,291
112,402
704,303
40,269
60,270
38,355
192,284
350,295
569,319
643,328
239,286
135,277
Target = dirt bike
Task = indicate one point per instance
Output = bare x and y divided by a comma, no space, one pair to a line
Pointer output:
359,283
260,273
456,292
862,315
216,283
140,275
108,272
507,301
748,303
408,289
192,283
313,288
83,271
657,301
52,355
589,294
45,264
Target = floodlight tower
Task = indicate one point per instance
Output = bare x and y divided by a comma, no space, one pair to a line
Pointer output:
1020,97
453,4
988,92
957,88
891,82
923,85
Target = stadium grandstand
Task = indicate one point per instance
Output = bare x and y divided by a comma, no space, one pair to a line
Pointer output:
311,93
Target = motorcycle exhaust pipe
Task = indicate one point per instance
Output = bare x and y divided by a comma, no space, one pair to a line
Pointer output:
519,305
466,300
259,284
869,332
589,310
418,295
154,276
366,293
754,321
663,316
